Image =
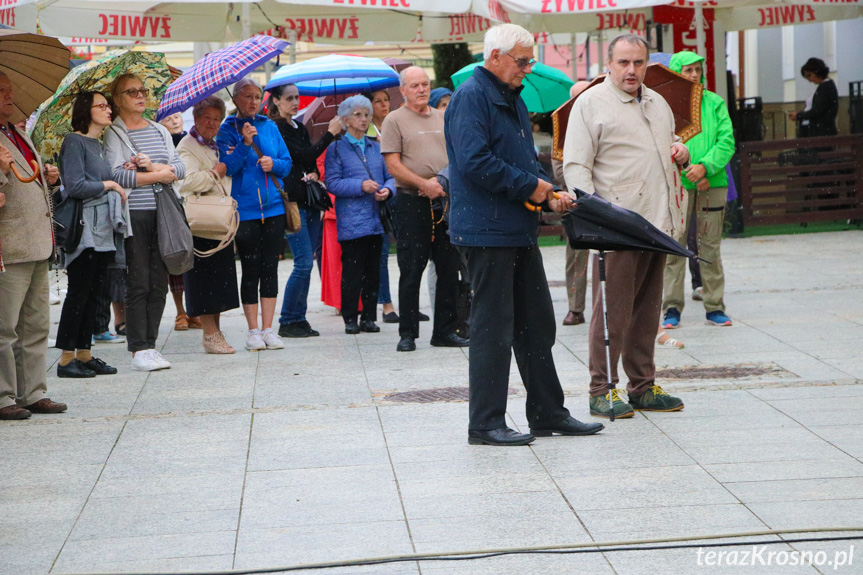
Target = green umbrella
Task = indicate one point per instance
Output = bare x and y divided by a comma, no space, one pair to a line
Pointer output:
54,117
544,90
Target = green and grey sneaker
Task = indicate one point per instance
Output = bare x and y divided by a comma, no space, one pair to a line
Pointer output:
655,399
599,406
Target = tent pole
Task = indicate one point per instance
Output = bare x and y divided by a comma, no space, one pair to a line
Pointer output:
699,29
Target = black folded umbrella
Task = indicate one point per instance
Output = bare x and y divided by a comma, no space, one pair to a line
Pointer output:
597,224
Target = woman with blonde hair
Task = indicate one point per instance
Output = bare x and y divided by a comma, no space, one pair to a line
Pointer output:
145,163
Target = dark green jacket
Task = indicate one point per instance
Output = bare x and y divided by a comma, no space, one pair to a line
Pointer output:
714,146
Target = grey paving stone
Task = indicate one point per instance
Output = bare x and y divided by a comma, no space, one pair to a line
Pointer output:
101,521
96,554
593,564
317,543
785,470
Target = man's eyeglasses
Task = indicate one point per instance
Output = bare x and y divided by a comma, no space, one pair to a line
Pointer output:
103,106
522,62
136,92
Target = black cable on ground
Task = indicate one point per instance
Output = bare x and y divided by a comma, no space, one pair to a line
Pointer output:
659,544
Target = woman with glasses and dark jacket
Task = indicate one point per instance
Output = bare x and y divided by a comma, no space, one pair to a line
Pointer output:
87,176
357,176
143,159
282,106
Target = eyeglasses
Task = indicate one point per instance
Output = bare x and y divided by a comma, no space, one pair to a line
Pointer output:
360,114
136,92
522,62
103,106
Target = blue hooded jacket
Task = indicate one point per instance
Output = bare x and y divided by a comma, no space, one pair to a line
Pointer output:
357,212
493,164
256,195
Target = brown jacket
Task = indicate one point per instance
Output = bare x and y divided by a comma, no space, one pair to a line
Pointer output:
26,230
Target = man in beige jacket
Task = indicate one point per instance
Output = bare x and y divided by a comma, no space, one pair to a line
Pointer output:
28,244
620,144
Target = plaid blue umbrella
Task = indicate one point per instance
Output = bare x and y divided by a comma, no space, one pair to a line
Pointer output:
217,70
336,74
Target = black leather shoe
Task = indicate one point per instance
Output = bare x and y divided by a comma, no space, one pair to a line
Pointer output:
424,317
351,328
449,340
391,317
568,426
369,326
406,344
100,367
74,369
502,436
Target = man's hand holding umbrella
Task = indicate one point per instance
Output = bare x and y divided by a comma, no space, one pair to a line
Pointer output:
544,192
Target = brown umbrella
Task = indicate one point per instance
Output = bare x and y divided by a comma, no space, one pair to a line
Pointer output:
35,66
682,95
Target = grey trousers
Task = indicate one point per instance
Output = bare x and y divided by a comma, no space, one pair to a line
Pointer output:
146,282
24,323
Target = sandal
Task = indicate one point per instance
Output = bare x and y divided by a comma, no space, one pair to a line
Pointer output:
668,342
181,323
194,323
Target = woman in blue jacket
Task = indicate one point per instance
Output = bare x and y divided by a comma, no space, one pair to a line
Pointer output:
260,236
357,176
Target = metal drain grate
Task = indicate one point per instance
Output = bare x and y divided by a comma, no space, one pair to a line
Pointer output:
433,395
720,372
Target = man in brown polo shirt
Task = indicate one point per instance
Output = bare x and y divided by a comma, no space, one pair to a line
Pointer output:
414,147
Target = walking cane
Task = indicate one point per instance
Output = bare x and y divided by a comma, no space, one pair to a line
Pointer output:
601,256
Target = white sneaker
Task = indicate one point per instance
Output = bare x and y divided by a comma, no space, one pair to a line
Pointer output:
145,361
272,340
255,341
164,363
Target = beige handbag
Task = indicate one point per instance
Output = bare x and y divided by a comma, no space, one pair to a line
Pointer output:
213,214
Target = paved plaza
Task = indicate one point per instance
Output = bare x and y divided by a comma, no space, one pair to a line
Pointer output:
303,455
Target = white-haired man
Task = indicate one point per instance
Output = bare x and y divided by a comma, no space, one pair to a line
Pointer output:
493,171
620,144
415,151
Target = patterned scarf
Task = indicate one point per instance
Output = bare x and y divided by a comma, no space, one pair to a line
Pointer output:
211,144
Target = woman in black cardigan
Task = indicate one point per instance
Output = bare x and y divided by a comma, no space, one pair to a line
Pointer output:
283,105
819,116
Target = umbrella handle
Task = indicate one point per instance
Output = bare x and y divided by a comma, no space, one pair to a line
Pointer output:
536,207
24,180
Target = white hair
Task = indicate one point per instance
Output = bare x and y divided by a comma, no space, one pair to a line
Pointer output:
350,104
246,81
404,74
505,37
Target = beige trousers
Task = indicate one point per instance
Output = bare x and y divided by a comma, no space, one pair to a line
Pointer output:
709,208
24,322
576,277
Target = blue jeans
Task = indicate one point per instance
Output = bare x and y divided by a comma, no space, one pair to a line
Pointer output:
302,246
384,288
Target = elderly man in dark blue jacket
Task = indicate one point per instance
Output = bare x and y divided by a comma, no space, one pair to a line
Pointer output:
493,171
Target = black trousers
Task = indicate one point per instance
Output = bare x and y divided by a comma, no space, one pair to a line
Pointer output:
415,247
259,245
146,282
361,273
511,311
78,318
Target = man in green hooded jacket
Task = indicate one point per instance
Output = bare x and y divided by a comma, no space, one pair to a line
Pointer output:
707,185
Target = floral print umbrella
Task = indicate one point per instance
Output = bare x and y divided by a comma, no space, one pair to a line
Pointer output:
54,117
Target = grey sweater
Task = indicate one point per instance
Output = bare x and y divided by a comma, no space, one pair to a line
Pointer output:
83,168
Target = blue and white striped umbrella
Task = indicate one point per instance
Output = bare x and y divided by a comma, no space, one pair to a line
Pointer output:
336,74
